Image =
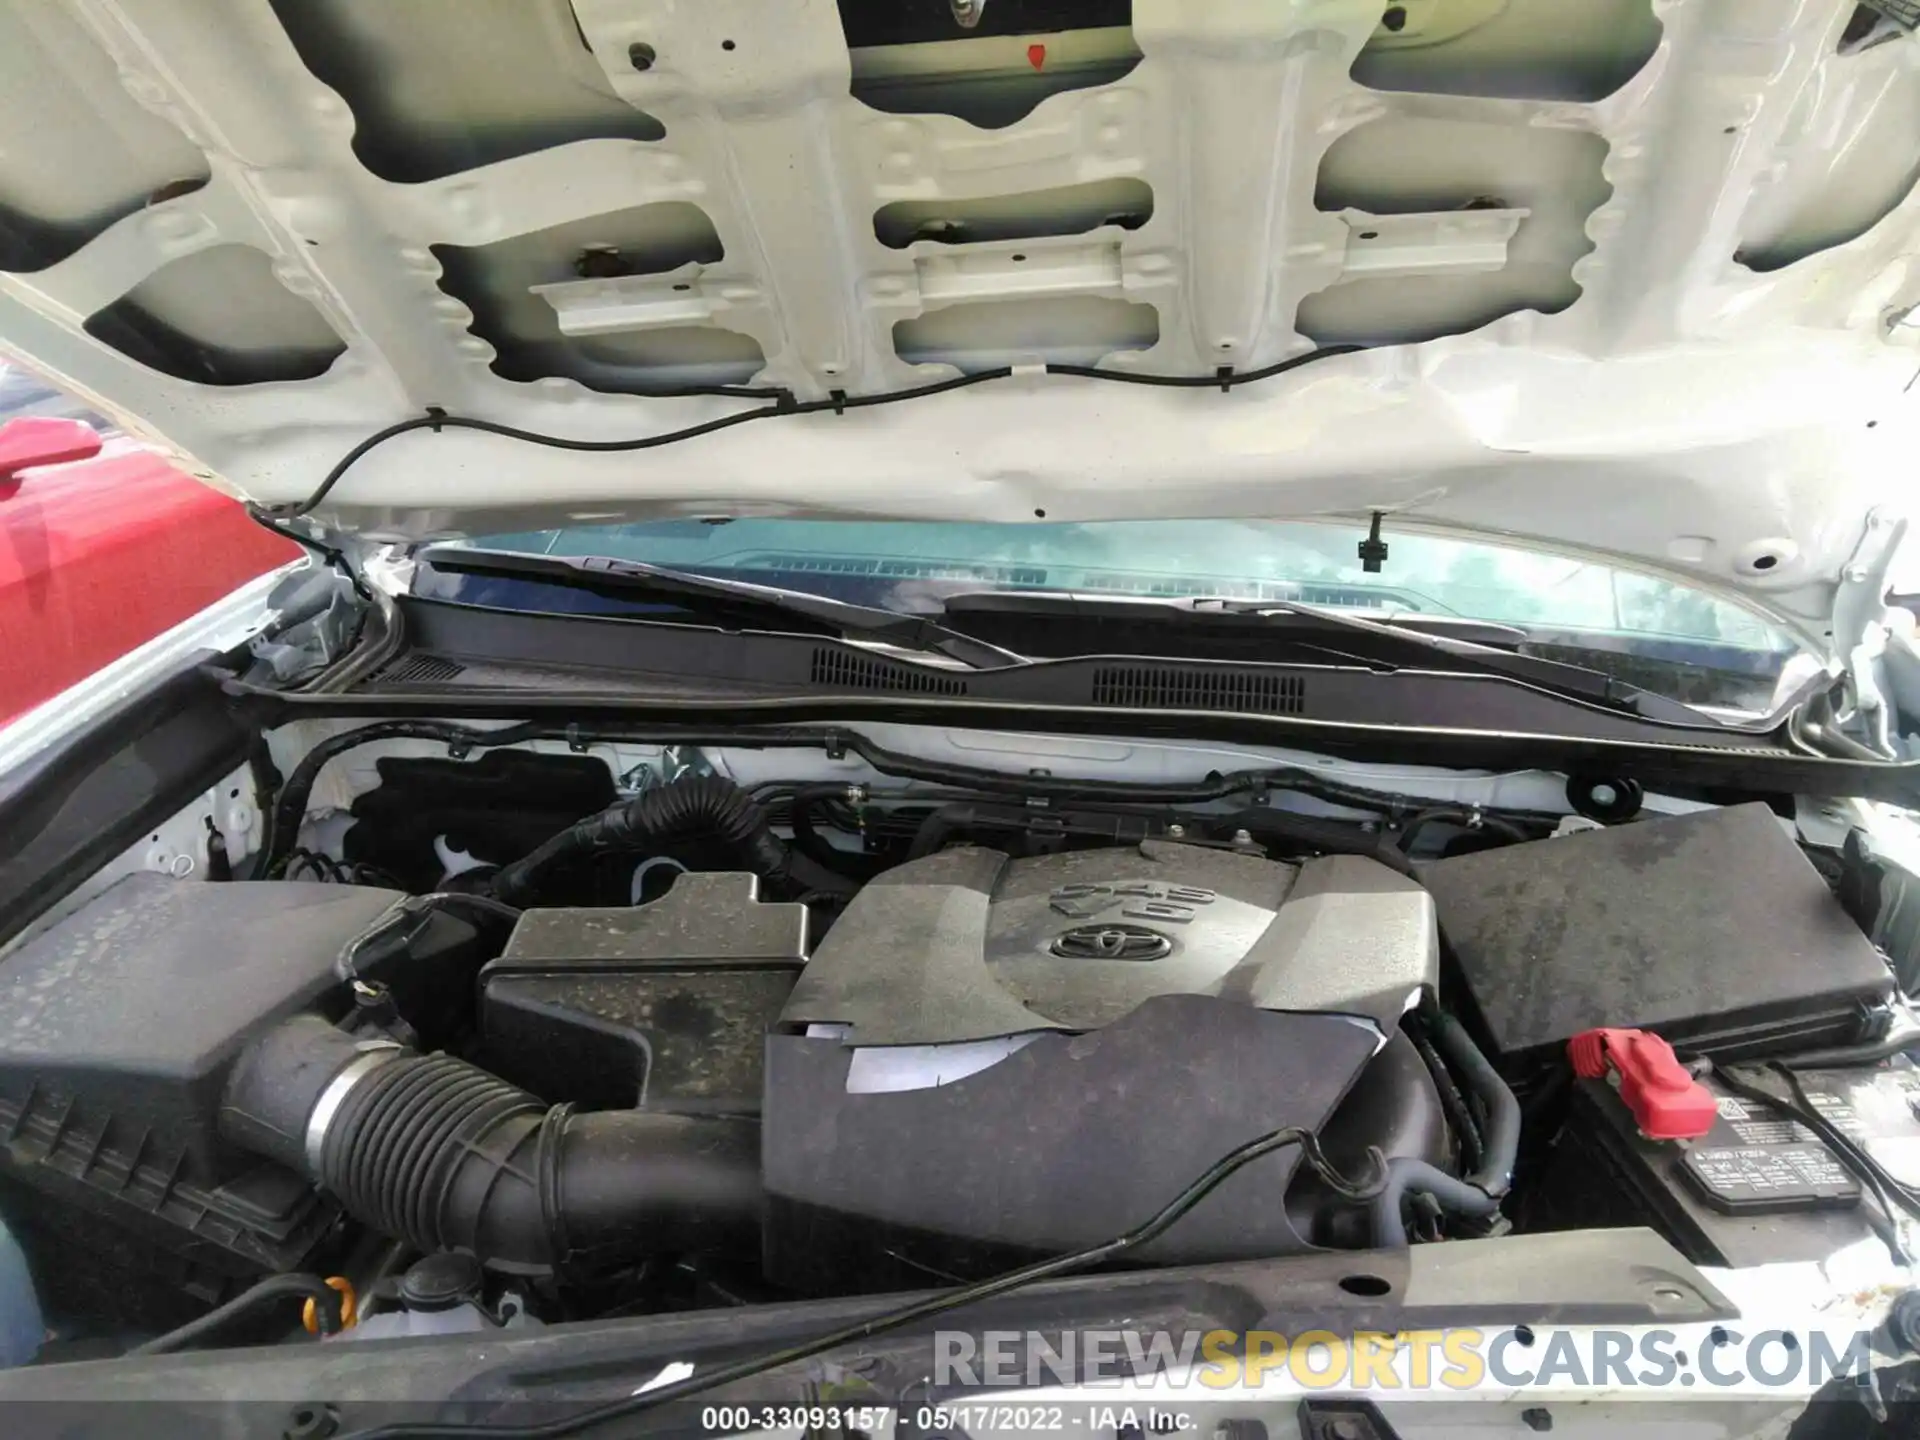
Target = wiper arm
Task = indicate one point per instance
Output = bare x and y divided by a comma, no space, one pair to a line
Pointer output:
607,575
1469,651
1401,622
1461,652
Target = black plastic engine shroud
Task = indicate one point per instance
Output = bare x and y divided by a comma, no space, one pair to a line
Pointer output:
1070,1140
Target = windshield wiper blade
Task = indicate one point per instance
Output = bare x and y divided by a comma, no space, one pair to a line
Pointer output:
1407,622
1445,626
1419,645
608,575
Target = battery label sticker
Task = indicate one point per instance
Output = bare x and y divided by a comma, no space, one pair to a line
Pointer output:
1842,1114
1766,1176
1770,1132
1748,1176
1756,1125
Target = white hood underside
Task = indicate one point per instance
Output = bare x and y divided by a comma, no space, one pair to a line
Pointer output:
1637,274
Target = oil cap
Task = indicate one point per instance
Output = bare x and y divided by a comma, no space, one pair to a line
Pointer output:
441,1282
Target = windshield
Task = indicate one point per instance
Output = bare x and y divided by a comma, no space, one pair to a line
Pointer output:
1661,636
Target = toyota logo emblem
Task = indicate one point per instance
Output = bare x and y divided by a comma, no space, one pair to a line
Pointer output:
1112,942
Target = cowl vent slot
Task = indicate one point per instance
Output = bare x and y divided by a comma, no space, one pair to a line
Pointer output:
1165,687
420,670
842,671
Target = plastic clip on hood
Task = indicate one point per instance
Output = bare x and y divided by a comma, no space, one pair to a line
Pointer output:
1666,1101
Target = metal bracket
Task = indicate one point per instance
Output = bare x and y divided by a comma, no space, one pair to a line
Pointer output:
1859,625
614,304
310,646
1439,242
1343,1420
1019,271
679,760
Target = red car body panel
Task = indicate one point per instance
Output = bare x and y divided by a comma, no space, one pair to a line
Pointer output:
98,557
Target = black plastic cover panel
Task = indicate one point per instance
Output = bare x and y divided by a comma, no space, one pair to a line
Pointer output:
1711,928
1069,1140
970,945
134,1004
664,1006
118,1025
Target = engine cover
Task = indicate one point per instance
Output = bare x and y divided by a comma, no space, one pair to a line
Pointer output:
991,1059
970,945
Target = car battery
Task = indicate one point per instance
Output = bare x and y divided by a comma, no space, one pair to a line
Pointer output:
1758,1188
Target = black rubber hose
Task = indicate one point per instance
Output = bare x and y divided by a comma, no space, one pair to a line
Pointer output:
1469,820
292,803
1407,1176
1500,1136
437,1152
326,1308
441,1154
806,839
703,807
1313,832
1479,1193
1904,1036
1451,1100
284,816
933,831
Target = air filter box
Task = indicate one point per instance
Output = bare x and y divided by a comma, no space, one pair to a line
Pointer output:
121,1022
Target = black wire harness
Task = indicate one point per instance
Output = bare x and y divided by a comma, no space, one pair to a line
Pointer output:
915,1311
284,816
1892,1193
327,1307
839,403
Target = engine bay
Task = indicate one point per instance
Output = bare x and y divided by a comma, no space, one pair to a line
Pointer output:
513,1038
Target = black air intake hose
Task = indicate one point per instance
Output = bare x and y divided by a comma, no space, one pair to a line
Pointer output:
437,1152
705,807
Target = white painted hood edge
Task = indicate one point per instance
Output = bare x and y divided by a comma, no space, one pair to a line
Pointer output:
1684,411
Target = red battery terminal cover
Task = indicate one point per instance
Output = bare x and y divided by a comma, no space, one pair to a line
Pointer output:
1666,1101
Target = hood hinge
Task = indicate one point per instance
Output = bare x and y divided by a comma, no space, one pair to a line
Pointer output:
1861,624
